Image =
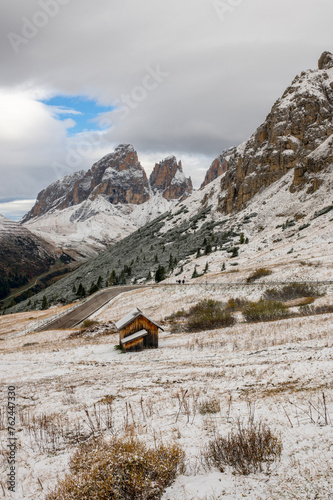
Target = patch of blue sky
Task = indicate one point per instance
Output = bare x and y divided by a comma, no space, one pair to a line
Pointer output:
83,111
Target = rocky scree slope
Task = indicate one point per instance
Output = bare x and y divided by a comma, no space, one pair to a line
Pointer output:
88,211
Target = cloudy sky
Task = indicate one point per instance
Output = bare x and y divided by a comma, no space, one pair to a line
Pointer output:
183,77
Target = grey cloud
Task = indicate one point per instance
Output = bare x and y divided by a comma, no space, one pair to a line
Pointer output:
223,77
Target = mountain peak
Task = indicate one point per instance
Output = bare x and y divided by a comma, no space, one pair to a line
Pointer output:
298,123
169,179
218,167
326,60
124,147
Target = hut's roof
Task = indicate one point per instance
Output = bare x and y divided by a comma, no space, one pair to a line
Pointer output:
126,320
134,336
131,316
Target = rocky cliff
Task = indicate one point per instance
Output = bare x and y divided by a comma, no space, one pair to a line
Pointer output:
168,179
118,176
88,211
299,123
218,167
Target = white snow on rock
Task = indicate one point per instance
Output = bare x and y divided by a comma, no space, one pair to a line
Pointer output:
93,225
324,150
179,177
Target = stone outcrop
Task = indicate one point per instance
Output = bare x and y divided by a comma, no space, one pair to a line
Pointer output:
306,172
325,61
168,179
120,177
218,167
298,124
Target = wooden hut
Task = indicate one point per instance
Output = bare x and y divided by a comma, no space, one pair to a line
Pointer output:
137,332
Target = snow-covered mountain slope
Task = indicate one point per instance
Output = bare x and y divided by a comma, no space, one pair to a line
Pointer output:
88,211
87,229
288,233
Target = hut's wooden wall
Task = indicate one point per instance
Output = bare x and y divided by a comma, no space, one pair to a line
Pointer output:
135,345
141,323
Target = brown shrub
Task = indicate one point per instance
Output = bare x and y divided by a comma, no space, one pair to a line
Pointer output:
248,449
293,291
120,470
209,406
208,315
265,310
258,273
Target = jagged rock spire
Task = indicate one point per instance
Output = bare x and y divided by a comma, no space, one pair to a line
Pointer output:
169,179
326,61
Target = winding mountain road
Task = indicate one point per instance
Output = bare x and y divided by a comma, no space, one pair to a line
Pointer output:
83,311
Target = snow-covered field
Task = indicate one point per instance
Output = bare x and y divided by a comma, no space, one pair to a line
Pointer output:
279,371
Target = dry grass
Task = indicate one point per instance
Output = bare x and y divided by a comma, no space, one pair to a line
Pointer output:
124,469
258,273
26,319
158,394
248,449
293,291
210,405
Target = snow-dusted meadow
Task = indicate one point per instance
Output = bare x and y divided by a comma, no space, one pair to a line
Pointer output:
277,371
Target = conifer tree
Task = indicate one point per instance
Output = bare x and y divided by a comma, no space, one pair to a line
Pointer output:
81,291
208,249
93,289
195,272
160,274
113,278
45,303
